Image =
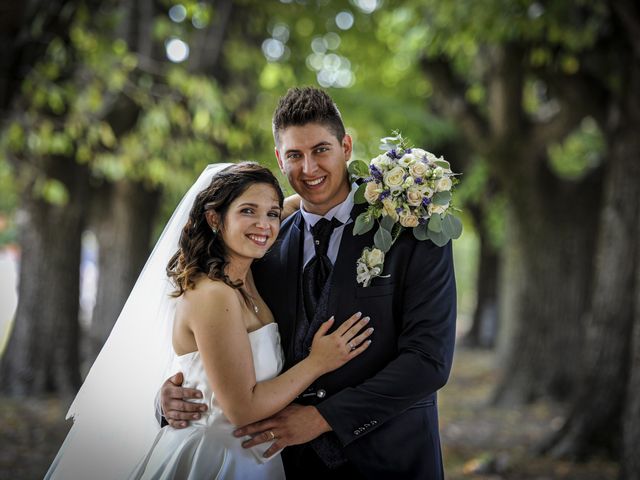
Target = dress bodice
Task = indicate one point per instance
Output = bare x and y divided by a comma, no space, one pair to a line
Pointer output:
267,362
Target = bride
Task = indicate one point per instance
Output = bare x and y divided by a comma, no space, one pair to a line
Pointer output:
207,320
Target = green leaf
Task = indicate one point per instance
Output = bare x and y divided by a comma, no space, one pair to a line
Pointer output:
420,232
439,238
441,198
435,223
358,197
54,192
382,240
364,223
452,226
358,168
387,223
442,163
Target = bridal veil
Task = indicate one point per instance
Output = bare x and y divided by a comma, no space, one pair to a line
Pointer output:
114,415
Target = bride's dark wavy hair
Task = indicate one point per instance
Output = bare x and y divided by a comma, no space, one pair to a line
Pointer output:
200,250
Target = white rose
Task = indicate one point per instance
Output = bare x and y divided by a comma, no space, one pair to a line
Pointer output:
425,190
418,169
433,208
372,192
375,258
418,153
394,178
406,160
389,207
431,157
414,195
407,182
381,161
444,184
437,172
408,220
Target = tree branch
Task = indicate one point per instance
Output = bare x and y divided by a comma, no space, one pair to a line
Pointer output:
580,95
452,90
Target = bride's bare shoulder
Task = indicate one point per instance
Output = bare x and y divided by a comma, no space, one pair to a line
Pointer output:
208,298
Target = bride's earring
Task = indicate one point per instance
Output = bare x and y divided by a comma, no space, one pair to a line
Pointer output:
214,230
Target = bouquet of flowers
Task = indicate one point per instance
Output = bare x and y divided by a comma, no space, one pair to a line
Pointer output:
405,188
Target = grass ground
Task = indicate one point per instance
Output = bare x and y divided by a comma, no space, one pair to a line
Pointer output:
480,442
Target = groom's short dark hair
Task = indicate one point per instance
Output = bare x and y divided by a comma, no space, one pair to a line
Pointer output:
307,105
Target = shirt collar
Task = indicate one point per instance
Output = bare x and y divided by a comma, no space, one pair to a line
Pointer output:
342,211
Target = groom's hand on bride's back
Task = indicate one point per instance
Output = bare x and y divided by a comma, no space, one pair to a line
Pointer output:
174,400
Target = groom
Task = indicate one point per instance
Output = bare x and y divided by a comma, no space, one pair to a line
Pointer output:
376,417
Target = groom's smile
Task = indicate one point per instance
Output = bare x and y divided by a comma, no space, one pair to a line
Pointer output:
315,183
314,161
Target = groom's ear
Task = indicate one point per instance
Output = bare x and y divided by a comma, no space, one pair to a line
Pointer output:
347,146
280,162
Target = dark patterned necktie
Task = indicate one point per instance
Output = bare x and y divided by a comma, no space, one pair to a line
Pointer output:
316,272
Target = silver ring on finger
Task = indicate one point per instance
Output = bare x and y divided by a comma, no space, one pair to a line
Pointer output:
352,347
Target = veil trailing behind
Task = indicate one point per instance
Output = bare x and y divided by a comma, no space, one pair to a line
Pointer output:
114,412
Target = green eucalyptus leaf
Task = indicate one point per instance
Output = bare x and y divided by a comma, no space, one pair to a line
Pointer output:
363,224
383,240
435,223
387,223
358,197
420,232
358,168
439,238
442,163
441,198
452,226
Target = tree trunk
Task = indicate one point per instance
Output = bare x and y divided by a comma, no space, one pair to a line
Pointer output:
596,416
48,291
124,223
484,328
545,286
631,419
547,259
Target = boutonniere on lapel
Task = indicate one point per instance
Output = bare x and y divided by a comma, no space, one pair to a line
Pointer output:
405,188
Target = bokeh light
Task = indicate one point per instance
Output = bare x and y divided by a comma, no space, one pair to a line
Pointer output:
344,20
273,49
367,6
178,13
177,50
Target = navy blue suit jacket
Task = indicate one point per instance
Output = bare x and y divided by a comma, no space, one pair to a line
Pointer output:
381,405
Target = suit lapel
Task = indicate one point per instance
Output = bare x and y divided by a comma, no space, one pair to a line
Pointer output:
290,253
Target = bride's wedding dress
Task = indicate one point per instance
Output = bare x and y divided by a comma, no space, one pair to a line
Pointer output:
207,448
115,426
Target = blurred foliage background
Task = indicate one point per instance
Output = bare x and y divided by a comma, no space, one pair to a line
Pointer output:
110,109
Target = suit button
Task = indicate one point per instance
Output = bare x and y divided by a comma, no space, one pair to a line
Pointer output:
321,393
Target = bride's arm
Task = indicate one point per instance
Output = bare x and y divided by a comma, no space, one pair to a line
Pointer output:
291,205
215,315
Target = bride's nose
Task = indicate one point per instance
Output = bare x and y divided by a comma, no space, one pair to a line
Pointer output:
263,224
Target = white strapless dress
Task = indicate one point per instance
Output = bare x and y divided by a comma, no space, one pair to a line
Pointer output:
207,448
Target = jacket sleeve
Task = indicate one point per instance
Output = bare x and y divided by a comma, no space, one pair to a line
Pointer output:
425,349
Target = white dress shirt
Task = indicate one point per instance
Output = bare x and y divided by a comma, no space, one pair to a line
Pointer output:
342,212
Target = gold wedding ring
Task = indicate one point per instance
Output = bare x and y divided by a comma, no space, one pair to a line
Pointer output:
273,435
